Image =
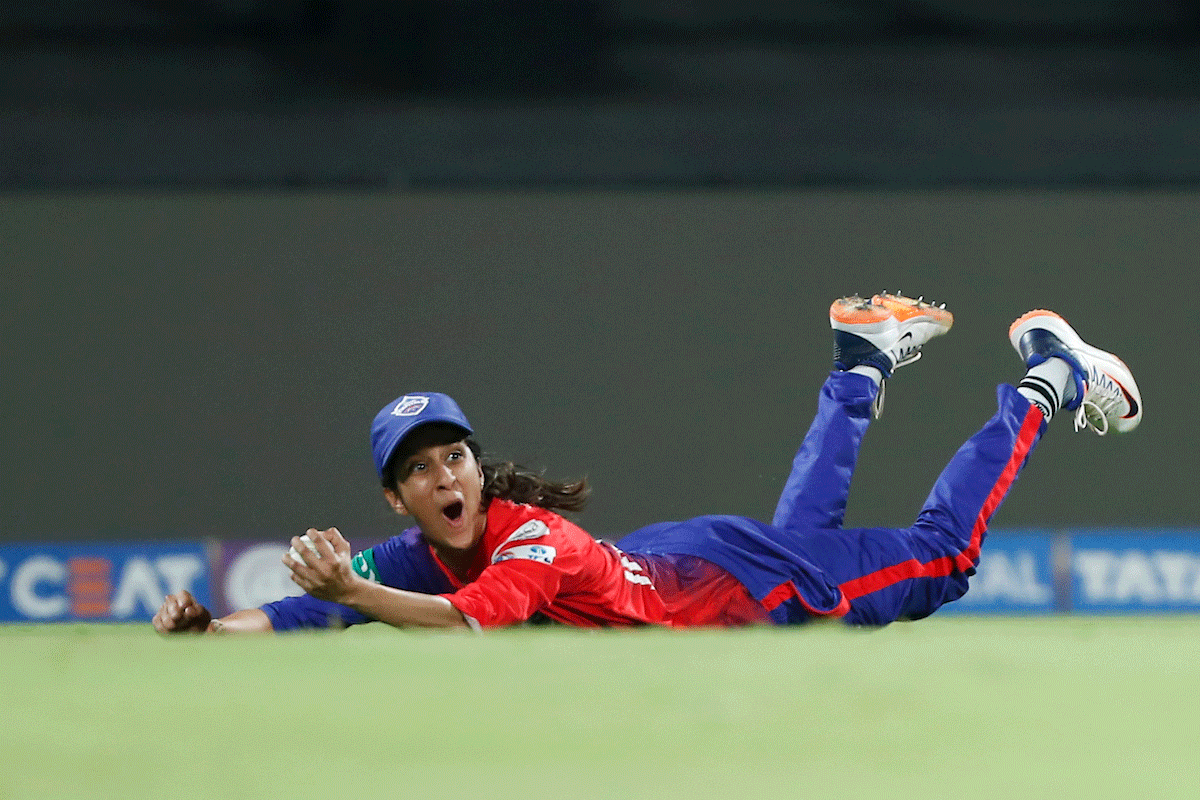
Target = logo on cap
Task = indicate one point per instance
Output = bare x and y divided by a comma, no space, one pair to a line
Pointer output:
410,405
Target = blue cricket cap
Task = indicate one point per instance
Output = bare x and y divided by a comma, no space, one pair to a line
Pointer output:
400,417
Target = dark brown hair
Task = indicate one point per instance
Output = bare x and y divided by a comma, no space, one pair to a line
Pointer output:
508,481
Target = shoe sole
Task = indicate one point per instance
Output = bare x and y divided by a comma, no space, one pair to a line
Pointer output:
1106,361
910,313
856,314
859,315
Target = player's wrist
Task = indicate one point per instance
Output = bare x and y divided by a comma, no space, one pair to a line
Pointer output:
355,592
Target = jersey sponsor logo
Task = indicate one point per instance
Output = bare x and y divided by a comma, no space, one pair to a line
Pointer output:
364,564
527,552
534,529
410,405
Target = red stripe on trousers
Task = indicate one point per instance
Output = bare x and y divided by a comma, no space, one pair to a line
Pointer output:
788,590
941,567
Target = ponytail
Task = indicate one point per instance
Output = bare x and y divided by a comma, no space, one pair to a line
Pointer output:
508,481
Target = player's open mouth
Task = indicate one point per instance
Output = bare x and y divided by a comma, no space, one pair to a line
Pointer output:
453,512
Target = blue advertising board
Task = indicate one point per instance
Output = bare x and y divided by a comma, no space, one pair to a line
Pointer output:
1015,576
1135,571
86,582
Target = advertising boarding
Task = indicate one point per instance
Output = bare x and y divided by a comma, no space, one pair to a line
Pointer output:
1021,572
1015,576
117,582
251,573
1135,571
1096,571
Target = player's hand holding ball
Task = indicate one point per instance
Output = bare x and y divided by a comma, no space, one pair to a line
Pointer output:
309,546
320,564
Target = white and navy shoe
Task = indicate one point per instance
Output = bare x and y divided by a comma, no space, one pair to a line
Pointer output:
1105,396
885,332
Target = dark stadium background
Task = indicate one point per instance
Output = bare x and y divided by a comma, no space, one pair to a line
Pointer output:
231,231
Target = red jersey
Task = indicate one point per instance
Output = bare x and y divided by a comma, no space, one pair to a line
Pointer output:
532,560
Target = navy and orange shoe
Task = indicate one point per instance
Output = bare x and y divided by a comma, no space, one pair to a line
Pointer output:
885,332
1106,396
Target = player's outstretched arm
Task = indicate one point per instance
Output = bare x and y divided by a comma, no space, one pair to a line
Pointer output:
403,608
181,613
323,570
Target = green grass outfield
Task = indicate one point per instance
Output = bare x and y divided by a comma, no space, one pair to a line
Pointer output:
954,706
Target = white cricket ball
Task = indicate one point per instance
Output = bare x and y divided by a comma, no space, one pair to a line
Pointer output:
312,548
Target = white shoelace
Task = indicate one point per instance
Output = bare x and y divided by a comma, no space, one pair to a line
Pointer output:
1089,415
1100,402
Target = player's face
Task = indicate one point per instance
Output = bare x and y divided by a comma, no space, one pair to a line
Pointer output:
441,486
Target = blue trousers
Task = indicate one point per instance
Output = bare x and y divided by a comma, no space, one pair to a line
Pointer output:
805,564
889,574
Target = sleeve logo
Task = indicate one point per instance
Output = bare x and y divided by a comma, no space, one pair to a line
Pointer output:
364,564
528,552
534,529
